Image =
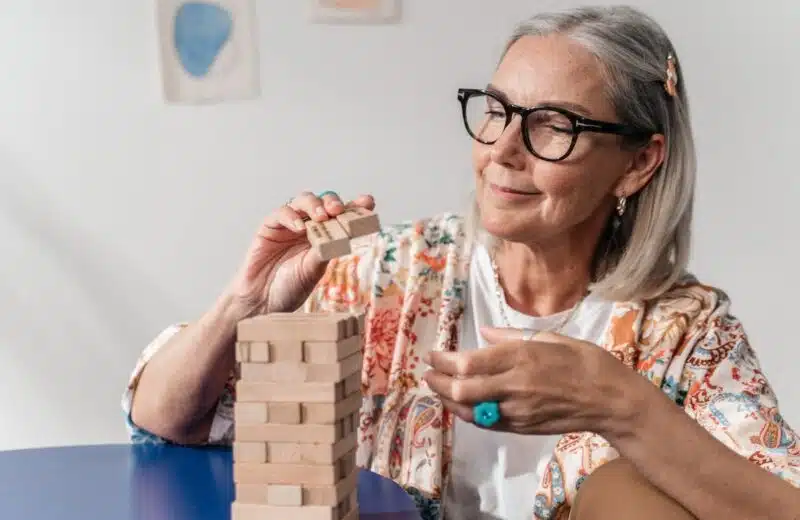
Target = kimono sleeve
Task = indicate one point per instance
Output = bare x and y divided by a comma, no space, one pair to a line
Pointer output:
729,395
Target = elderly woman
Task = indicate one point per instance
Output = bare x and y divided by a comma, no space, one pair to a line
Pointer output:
550,336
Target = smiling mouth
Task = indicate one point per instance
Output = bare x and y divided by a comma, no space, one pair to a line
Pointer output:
512,191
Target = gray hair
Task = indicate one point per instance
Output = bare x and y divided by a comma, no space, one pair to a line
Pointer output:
648,250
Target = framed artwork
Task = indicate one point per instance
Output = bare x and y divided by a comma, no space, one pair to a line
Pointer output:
354,11
207,50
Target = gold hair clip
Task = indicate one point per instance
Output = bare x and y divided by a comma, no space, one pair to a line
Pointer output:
671,85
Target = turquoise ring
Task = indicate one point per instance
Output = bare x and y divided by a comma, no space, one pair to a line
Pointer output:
327,192
486,414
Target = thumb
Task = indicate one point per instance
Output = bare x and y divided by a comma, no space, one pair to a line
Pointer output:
501,334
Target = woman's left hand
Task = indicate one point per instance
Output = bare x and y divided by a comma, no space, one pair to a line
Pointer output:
551,384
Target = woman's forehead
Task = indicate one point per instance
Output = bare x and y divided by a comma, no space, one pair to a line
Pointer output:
538,69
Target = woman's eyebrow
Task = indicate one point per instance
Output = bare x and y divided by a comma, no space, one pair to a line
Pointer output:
575,107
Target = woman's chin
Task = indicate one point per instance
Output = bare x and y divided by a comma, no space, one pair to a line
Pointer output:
503,228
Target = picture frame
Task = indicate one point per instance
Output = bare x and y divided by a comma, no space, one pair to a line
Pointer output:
354,11
207,50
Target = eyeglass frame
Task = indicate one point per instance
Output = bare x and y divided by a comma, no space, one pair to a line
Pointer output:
579,123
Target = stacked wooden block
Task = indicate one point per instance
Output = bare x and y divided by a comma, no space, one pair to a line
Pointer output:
296,415
332,237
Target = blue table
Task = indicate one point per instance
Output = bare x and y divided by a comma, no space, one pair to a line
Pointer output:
146,482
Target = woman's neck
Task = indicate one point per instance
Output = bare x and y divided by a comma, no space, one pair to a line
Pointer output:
540,280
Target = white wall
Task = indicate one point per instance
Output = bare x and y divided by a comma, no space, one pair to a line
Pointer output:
120,214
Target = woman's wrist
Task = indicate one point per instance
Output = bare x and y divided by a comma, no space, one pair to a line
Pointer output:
227,312
636,400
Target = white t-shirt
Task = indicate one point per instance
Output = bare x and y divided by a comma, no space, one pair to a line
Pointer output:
494,475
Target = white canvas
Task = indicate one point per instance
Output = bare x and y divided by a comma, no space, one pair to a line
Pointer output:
207,50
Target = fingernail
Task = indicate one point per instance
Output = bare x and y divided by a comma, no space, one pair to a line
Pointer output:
298,224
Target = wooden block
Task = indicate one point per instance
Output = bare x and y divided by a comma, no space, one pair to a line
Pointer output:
286,351
251,493
352,515
291,371
255,452
329,238
335,372
250,413
329,413
247,511
331,495
346,464
321,433
243,351
352,384
284,413
301,372
353,321
259,352
358,222
258,392
353,499
314,326
292,474
310,453
326,352
349,425
361,323
284,495
348,504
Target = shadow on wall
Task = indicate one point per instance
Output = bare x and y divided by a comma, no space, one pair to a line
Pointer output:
62,269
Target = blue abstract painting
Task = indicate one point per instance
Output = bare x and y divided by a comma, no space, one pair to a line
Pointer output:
201,30
208,50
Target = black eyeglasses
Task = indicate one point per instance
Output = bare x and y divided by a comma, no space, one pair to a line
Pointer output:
549,132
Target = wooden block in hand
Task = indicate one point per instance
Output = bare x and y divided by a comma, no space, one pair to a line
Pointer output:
358,222
329,238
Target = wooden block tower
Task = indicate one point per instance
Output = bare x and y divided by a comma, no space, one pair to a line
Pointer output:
297,402
296,415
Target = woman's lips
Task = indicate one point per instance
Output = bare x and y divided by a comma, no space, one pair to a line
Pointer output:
507,193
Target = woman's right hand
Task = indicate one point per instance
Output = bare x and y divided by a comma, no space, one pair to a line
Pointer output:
281,269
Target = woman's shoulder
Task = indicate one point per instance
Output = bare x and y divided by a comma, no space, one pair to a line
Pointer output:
691,300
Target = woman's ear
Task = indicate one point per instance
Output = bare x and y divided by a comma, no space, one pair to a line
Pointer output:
643,165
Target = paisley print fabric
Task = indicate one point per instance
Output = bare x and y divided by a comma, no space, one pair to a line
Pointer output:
410,280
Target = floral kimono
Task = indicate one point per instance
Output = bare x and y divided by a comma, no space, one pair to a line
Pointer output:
410,280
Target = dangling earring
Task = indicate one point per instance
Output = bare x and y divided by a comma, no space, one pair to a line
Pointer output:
621,202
